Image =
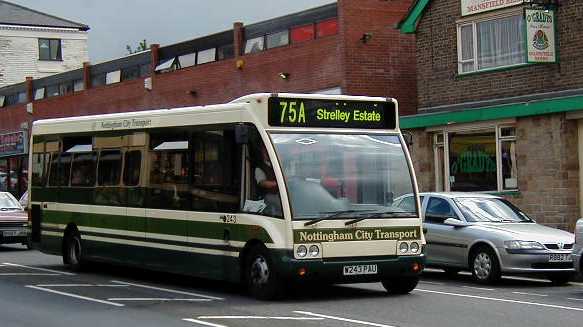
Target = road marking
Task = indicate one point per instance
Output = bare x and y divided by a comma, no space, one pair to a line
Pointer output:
502,300
39,269
574,298
74,296
342,319
479,288
155,299
260,317
432,283
204,323
168,290
28,274
81,285
533,294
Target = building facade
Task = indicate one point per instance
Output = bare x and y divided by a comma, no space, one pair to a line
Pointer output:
500,101
36,44
348,47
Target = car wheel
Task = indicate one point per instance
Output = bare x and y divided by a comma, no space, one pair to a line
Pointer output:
73,251
402,285
559,279
260,275
485,266
452,272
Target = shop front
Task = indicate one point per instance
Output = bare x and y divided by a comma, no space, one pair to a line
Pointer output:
14,162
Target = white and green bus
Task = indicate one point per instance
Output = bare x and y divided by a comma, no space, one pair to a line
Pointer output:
264,190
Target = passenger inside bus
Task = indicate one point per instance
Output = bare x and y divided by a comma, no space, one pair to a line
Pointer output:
267,188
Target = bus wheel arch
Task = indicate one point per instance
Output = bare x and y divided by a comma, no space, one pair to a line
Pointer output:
258,273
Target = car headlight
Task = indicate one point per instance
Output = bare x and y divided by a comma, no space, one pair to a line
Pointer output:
302,251
414,247
523,245
314,251
404,247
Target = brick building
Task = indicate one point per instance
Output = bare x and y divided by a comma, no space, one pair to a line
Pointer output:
348,47
500,101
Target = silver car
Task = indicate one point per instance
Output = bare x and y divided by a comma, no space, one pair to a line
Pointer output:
489,236
578,249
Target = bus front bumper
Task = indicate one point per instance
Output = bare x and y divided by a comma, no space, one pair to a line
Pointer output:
332,270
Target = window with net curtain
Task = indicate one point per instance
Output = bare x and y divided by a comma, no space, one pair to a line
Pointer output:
491,43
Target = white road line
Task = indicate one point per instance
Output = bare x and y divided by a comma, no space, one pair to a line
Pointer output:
260,317
479,288
74,296
502,300
342,319
574,298
432,283
81,285
168,290
526,293
28,274
40,269
203,323
155,299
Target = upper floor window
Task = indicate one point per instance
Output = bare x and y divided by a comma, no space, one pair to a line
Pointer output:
491,43
49,49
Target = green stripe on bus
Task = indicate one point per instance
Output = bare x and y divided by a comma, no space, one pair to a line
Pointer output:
200,229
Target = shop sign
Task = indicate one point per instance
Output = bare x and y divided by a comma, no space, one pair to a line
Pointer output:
540,36
13,143
470,7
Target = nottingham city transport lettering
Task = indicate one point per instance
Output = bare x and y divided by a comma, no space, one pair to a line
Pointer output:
122,124
360,234
331,113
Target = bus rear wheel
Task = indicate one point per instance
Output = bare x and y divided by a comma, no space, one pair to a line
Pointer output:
402,285
73,251
260,275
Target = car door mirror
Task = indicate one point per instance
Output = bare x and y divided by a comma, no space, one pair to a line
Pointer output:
455,222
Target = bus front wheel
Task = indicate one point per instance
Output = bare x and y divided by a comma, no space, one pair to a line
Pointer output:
72,255
260,276
402,285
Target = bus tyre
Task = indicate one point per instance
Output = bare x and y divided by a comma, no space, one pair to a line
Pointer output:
262,280
402,285
485,266
559,278
73,251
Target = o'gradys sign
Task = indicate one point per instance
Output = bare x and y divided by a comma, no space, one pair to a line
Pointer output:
357,234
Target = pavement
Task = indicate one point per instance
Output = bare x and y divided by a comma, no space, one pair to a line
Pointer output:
35,290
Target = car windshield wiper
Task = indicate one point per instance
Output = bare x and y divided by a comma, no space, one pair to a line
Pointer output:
333,214
381,214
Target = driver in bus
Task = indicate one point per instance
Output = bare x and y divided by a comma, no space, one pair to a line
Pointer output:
267,185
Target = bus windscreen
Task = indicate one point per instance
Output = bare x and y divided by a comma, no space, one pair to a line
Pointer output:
299,112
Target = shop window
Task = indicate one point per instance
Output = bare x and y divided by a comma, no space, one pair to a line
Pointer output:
206,56
132,168
83,169
509,171
109,168
278,39
225,52
326,28
254,45
187,60
49,49
302,33
491,43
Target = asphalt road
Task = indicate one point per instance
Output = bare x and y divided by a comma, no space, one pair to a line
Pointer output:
35,290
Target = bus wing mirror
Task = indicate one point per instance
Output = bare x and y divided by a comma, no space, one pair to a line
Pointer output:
242,134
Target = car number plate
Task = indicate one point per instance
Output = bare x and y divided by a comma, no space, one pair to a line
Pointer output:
560,257
10,233
360,270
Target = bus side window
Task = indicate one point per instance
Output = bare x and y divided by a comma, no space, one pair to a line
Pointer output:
131,178
108,178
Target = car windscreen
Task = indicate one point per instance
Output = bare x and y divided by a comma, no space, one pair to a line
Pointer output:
333,175
490,210
8,202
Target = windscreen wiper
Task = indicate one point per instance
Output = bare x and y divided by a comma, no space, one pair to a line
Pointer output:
333,214
382,214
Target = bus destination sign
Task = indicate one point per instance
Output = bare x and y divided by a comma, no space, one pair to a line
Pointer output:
298,112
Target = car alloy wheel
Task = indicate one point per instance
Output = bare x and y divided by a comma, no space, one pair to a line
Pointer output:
482,266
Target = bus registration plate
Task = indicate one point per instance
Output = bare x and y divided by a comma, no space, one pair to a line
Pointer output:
360,270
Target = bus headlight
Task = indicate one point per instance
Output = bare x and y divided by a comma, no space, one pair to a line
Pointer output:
301,251
314,251
414,247
403,247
